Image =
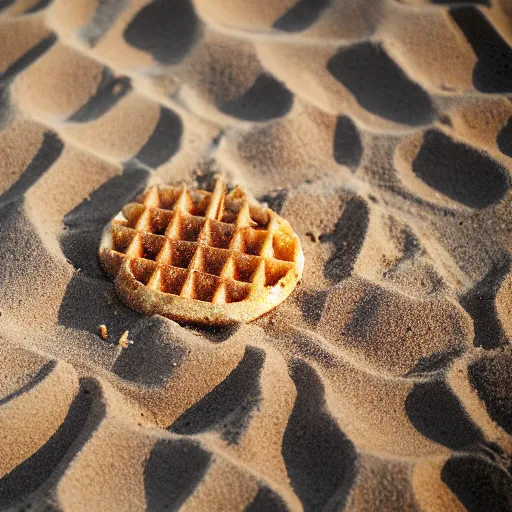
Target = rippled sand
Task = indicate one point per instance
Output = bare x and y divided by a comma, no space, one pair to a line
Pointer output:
382,130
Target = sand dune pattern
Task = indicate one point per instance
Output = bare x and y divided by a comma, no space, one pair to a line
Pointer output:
381,130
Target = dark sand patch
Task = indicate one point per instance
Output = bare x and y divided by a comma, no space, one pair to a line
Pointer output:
397,98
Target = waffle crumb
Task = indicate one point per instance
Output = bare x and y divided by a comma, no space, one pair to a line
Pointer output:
201,257
124,341
103,331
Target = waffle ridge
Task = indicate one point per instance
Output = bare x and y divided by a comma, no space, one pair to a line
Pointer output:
211,247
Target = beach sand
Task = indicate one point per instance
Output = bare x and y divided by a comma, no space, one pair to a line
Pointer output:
382,131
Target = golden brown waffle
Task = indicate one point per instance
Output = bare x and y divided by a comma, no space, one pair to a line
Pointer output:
202,257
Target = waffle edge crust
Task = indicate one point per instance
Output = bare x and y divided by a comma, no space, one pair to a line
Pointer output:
194,256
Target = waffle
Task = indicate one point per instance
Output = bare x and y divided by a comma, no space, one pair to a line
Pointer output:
201,257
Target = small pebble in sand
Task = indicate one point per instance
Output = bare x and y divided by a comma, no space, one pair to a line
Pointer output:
104,331
124,341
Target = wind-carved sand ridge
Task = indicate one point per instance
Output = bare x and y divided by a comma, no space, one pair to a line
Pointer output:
381,130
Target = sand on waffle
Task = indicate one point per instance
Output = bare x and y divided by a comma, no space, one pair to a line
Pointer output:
201,257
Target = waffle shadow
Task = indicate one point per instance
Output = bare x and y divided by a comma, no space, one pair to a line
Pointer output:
154,358
84,224
89,299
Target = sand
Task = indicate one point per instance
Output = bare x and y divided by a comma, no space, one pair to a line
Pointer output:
382,131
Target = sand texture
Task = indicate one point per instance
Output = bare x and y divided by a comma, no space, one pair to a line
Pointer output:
382,131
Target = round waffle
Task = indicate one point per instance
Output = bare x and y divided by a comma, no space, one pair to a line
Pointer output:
201,257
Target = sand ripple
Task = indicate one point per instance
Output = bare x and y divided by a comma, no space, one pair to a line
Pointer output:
382,131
